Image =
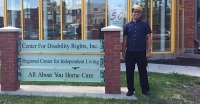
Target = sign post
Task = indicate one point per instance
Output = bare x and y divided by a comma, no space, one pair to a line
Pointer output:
112,59
48,60
8,45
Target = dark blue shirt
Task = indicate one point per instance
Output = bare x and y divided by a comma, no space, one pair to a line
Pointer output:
136,35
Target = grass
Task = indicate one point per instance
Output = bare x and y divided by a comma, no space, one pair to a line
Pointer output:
165,89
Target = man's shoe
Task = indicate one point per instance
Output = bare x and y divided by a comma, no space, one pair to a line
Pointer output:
130,93
146,93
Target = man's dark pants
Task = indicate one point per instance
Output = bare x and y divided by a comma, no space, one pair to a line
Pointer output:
138,58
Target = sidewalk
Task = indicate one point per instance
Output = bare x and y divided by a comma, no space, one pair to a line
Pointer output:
99,92
163,68
68,91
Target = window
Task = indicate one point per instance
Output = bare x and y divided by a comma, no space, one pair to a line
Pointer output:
13,13
117,12
95,9
71,24
161,25
146,7
93,26
31,20
1,14
51,25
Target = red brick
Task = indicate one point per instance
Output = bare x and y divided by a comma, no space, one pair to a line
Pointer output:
112,54
9,81
189,24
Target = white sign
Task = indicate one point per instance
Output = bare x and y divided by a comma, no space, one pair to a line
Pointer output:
116,12
61,46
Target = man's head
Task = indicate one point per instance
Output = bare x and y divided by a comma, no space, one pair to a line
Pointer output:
136,12
137,7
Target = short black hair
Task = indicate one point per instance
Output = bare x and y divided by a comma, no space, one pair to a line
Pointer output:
132,10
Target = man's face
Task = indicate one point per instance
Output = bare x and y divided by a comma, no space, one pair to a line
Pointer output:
136,14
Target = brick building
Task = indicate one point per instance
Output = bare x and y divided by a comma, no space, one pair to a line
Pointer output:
175,23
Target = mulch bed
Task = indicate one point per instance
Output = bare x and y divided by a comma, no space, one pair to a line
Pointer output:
178,61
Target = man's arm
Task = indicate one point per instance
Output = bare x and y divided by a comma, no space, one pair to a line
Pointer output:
149,44
124,46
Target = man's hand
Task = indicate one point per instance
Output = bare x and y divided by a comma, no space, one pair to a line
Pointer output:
123,54
124,46
148,54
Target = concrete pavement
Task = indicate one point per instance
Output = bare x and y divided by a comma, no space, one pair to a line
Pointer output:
91,91
68,91
162,68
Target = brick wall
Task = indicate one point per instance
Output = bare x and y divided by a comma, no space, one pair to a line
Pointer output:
189,23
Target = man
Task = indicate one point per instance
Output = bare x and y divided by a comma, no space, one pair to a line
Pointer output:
136,49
